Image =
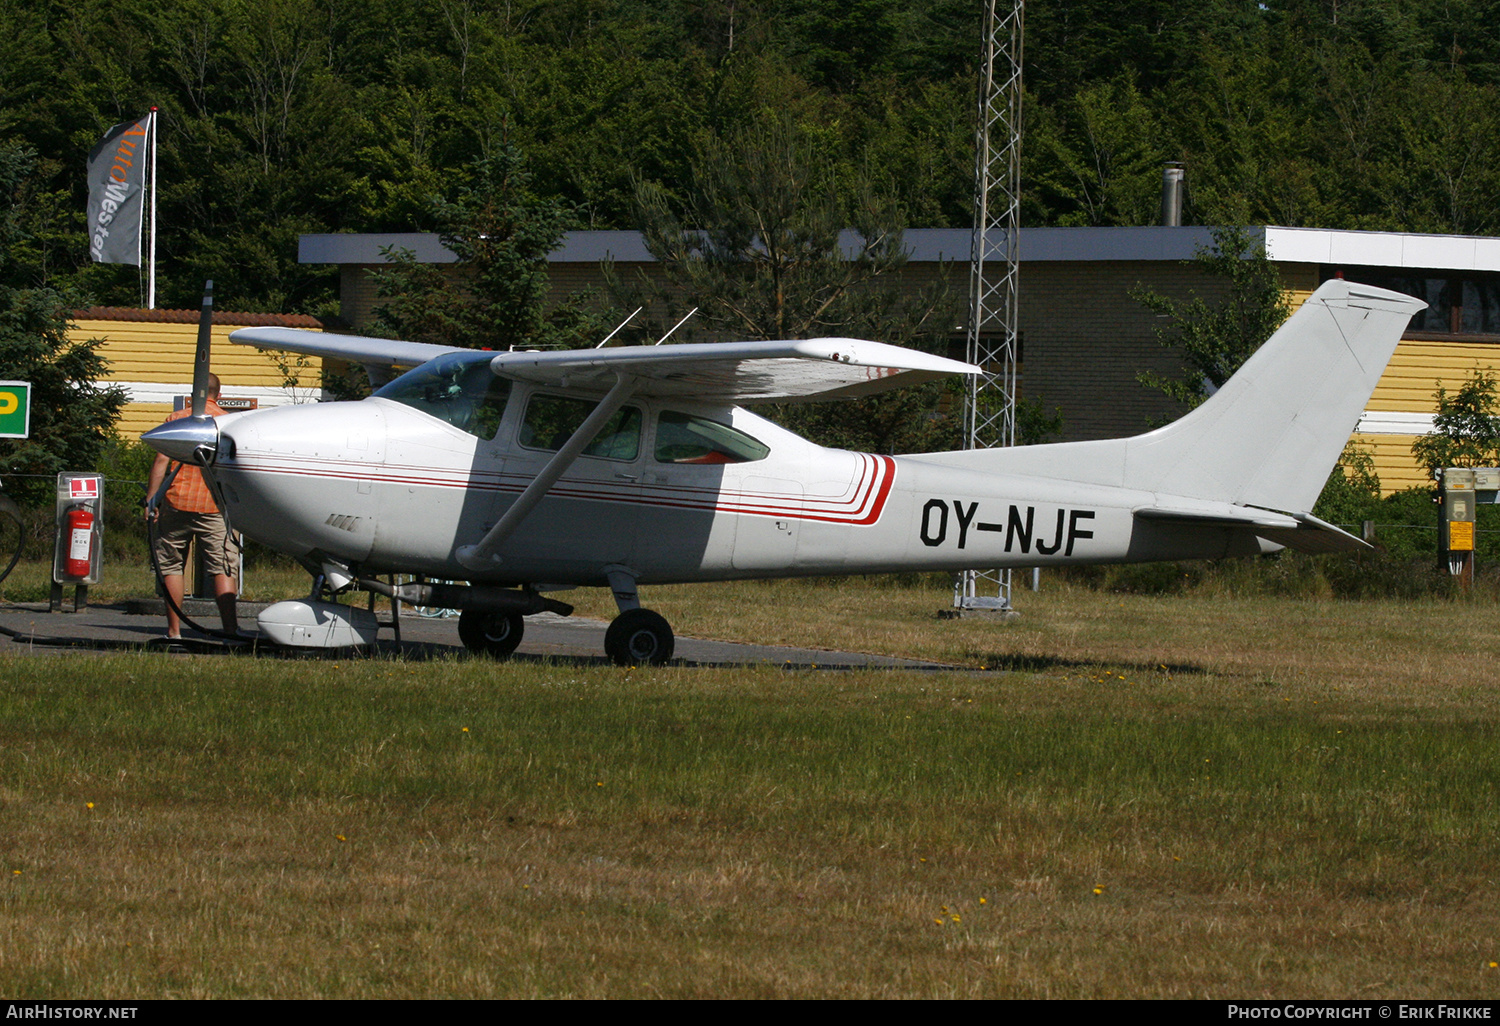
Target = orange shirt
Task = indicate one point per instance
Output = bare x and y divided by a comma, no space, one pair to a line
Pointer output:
189,493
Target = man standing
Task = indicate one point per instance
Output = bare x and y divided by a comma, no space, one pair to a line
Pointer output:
188,511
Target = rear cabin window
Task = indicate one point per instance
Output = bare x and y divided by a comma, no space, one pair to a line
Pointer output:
683,438
458,388
551,420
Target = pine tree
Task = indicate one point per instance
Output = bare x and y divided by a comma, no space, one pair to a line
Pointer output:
759,247
1214,339
496,296
72,416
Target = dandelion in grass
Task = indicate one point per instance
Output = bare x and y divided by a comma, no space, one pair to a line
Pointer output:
89,805
341,837
1098,890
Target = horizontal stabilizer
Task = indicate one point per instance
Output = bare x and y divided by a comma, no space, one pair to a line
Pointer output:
1314,535
736,372
1301,531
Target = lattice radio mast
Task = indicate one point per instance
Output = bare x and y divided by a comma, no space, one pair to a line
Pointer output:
994,274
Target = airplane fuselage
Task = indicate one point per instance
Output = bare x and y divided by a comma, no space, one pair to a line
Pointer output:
388,487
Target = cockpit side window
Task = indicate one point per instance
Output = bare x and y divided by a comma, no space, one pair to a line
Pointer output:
552,419
458,388
684,438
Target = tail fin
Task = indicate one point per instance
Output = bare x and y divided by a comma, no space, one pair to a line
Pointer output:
1271,435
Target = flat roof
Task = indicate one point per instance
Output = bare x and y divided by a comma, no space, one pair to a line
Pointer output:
932,245
1382,249
427,248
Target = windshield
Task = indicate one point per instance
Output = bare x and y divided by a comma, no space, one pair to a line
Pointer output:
458,388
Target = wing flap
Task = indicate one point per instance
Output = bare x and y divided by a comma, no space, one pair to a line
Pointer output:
737,372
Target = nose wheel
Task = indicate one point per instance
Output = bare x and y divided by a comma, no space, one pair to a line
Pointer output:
489,633
639,637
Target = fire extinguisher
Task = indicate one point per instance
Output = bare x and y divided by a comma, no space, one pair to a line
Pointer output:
80,559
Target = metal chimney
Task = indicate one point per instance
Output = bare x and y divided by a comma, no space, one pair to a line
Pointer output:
1171,195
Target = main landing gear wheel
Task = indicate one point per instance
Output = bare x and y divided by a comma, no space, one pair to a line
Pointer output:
489,633
638,637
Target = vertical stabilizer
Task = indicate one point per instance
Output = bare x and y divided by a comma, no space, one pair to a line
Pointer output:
1270,436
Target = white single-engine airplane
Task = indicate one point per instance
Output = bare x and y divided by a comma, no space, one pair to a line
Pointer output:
529,472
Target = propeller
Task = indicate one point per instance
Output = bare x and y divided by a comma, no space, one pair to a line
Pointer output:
200,358
195,438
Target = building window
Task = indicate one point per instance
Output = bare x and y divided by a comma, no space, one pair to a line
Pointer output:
1458,302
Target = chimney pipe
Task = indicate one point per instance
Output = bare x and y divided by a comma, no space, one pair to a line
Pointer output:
1171,195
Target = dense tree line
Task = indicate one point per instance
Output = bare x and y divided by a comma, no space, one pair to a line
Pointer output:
281,117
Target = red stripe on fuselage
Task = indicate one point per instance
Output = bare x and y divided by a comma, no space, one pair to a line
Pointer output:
863,505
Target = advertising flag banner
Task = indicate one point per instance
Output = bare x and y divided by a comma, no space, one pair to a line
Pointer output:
117,180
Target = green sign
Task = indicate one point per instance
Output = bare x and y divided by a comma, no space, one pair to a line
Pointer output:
15,409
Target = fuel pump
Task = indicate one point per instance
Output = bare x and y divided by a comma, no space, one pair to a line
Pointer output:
1457,498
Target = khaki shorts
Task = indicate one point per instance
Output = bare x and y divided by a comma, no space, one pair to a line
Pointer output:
221,553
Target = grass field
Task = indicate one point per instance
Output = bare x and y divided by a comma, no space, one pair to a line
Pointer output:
1180,797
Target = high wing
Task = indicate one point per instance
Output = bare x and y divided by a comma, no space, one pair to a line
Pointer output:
371,353
736,372
729,372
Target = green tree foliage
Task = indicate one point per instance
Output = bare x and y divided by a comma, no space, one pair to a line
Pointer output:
283,117
71,415
1445,171
1466,429
758,246
501,233
1096,158
1216,337
1035,425
1352,494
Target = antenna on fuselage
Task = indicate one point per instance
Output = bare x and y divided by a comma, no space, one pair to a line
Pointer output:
622,324
675,327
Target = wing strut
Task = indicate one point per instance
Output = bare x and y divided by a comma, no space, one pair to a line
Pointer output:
482,556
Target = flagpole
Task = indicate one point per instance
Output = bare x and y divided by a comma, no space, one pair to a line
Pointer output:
151,266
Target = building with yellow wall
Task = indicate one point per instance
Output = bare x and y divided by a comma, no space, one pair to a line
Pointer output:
150,354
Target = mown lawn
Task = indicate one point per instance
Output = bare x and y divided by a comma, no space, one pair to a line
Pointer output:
1137,797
